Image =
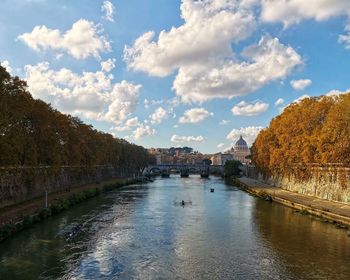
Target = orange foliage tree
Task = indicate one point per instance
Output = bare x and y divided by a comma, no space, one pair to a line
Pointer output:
32,133
312,131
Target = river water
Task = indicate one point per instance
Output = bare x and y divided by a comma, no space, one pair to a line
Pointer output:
143,232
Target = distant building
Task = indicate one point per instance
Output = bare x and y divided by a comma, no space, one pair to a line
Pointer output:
240,151
164,159
184,155
220,159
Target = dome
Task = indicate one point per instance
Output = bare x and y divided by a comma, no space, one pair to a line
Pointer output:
241,144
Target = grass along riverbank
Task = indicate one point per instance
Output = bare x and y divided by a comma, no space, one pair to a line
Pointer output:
13,218
325,210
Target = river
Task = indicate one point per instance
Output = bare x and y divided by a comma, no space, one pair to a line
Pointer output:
143,232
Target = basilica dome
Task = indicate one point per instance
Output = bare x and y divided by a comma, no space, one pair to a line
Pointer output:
241,145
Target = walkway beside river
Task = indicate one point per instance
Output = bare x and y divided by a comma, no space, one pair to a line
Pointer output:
329,210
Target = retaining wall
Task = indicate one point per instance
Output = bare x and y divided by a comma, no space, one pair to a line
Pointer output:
25,183
330,182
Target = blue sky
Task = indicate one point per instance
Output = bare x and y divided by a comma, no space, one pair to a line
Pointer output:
174,73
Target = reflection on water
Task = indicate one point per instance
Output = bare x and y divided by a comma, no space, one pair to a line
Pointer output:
307,247
144,232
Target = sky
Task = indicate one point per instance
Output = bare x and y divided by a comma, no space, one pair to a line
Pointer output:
196,73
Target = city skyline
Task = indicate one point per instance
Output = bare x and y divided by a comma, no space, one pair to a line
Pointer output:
185,73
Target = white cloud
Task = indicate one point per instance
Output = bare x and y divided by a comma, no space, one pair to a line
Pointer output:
195,115
224,122
108,65
180,139
202,34
300,84
128,124
279,101
124,97
248,133
158,115
221,145
108,10
147,103
301,98
294,11
90,94
81,41
336,92
345,38
208,67
249,109
267,61
7,66
143,130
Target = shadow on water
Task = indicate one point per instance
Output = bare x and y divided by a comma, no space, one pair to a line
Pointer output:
308,248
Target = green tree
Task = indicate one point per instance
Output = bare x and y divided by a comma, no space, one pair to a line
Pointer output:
231,168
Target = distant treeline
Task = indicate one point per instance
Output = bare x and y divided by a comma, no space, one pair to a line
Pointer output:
32,133
312,131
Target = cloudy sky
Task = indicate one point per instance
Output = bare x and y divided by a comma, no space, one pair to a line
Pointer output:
168,73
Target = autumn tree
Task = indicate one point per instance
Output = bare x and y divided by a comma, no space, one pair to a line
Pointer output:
312,131
32,133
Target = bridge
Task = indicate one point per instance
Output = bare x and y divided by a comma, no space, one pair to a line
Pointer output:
191,168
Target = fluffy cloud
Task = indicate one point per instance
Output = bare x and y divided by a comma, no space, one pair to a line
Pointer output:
268,60
108,65
202,34
158,115
248,133
345,38
221,145
336,92
208,67
124,98
195,115
143,130
81,41
279,101
249,109
7,66
301,98
128,124
294,11
300,84
180,139
91,94
147,103
108,10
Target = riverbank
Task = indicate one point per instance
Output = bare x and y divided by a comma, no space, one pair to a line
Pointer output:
328,211
24,215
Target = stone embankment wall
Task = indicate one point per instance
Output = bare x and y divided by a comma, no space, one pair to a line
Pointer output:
331,183
25,183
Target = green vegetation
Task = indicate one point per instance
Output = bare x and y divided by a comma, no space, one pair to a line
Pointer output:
312,131
232,168
32,133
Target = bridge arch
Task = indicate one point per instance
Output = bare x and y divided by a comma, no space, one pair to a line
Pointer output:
174,169
155,170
